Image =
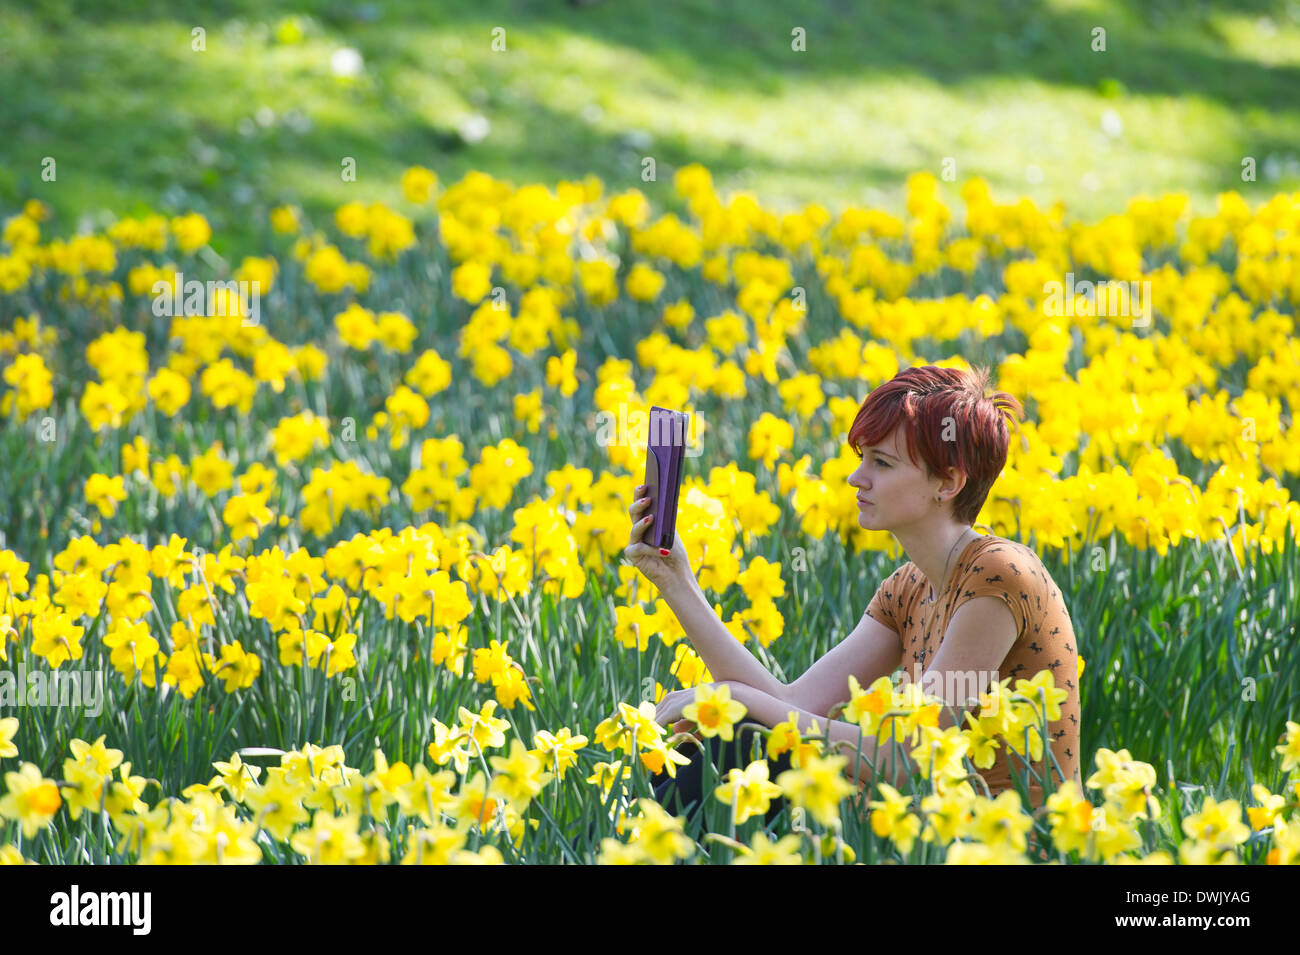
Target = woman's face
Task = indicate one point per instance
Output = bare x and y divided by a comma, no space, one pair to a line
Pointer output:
898,490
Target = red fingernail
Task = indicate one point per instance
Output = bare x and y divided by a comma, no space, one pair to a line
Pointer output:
664,552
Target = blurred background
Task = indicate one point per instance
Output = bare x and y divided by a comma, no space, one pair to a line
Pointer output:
231,108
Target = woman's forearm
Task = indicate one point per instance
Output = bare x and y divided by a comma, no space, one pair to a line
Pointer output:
724,655
873,760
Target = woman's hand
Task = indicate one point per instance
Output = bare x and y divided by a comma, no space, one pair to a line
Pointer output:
662,568
669,710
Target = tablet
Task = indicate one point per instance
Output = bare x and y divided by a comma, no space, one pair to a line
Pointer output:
665,462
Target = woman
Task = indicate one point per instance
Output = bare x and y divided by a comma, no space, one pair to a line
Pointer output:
966,607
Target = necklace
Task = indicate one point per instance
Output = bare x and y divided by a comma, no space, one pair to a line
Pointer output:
934,599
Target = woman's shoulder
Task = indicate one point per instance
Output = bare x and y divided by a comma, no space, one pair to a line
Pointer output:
1010,561
1015,573
896,590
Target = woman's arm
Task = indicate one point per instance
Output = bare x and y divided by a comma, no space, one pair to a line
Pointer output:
871,651
874,761
973,647
724,655
670,571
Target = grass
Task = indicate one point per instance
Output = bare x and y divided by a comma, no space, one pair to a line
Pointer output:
136,119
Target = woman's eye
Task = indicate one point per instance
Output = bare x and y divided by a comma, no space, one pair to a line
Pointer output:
881,463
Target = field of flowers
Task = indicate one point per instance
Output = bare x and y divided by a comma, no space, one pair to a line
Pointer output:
347,566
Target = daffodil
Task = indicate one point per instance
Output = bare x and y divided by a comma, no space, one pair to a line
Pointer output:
748,791
786,738
1000,820
83,788
629,728
449,648
433,845
55,638
277,806
491,662
1112,833
418,184
429,794
519,777
10,855
98,757
818,786
891,817
1218,823
1289,749
450,745
1127,782
8,729
235,776
485,730
1286,844
311,763
714,712
978,853
659,834
487,854
230,840
947,814
330,840
512,689
605,774
1046,697
939,753
476,806
237,668
30,799
105,493
657,758
1262,816
1071,817
764,851
387,786
613,852
868,707
558,751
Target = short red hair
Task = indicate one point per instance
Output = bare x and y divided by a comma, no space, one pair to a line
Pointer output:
929,401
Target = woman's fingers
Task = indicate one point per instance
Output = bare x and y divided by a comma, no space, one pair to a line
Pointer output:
640,524
639,527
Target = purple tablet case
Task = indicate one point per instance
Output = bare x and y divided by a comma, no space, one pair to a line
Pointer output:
664,464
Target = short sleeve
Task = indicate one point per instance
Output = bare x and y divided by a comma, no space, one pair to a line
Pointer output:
881,608
1005,574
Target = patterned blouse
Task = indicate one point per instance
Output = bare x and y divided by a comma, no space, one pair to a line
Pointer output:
994,567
